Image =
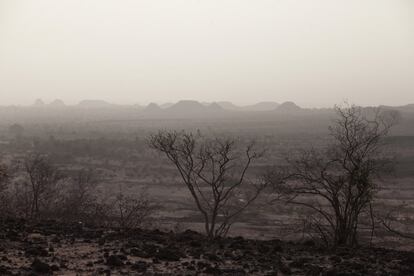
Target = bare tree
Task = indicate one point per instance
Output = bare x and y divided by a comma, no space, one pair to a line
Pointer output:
214,171
339,182
43,180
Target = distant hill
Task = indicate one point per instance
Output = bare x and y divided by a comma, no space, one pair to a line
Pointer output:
57,103
187,106
229,106
94,104
39,103
261,106
403,108
215,107
153,107
408,107
166,105
288,107
138,106
190,108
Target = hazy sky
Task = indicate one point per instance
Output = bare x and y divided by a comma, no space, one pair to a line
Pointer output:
313,52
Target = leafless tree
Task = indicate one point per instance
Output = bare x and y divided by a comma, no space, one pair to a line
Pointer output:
339,182
214,171
43,180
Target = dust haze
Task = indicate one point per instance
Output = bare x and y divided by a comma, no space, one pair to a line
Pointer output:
206,137
315,53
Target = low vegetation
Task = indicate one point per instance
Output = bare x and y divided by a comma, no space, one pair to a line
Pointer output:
217,181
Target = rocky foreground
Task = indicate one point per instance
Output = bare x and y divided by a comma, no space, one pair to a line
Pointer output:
50,248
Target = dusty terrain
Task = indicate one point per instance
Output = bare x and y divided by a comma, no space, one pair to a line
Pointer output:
50,248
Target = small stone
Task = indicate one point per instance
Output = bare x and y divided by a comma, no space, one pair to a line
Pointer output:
114,260
140,267
40,266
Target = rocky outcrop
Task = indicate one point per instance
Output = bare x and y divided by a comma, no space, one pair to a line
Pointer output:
51,248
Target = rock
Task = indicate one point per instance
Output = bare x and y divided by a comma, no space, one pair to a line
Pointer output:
169,254
12,235
202,265
40,267
147,251
212,270
313,270
212,257
140,267
189,236
300,263
186,253
4,270
55,267
296,264
238,243
263,249
36,251
277,248
55,239
195,243
136,252
309,243
122,257
284,268
196,253
233,271
36,238
335,259
114,260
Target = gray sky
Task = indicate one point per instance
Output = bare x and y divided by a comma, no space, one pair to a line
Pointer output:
313,52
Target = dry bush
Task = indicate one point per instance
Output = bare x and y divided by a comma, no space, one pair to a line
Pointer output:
79,197
43,179
339,182
4,198
42,192
132,211
83,202
33,191
214,171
